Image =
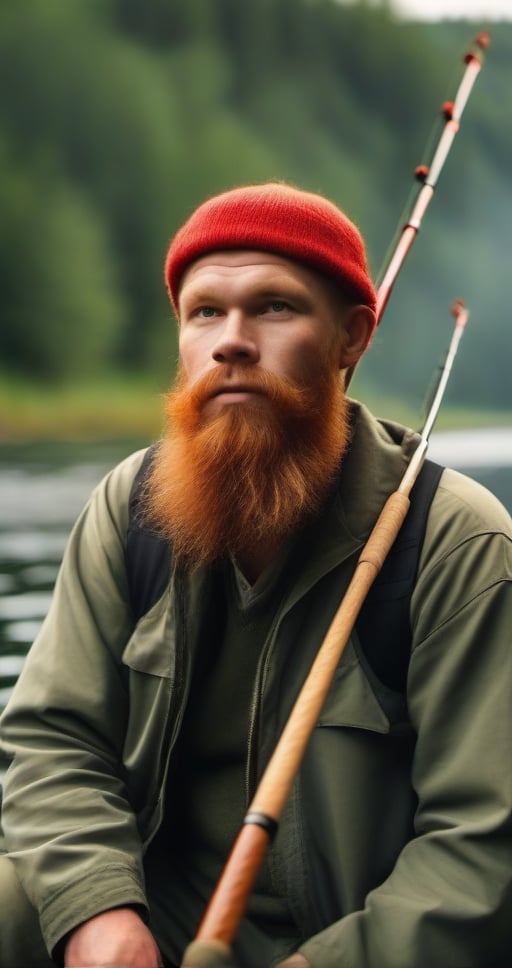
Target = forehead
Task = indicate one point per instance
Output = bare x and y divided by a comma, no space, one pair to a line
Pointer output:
227,262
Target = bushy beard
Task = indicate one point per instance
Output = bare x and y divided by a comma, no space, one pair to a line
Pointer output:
250,474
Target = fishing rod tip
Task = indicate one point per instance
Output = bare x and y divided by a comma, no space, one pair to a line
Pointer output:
460,311
483,40
480,43
458,306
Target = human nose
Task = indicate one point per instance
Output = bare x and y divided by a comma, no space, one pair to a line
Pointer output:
236,342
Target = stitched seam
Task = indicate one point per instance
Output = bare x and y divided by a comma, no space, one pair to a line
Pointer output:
469,601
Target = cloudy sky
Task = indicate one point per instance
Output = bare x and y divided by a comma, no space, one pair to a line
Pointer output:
484,10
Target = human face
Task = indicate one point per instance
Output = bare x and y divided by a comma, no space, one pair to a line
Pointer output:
246,309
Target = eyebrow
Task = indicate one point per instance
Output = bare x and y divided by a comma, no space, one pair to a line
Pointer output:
279,288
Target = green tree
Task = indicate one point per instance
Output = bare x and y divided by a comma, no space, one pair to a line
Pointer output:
121,116
61,304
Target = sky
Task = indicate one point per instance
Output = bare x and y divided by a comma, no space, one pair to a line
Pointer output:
484,10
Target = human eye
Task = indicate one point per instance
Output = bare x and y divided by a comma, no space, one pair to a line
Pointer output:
276,307
206,312
200,313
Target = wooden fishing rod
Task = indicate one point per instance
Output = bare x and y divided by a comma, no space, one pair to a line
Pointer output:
211,948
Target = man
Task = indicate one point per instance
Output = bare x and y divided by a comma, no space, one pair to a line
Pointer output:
137,746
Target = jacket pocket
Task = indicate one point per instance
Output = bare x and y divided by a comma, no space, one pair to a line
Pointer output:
151,647
351,700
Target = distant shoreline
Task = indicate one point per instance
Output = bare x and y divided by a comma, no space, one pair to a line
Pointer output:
119,406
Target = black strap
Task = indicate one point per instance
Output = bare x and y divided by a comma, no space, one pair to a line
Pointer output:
383,626
148,556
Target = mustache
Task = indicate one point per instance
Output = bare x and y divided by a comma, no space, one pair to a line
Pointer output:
278,389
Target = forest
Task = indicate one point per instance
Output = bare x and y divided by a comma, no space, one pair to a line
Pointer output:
117,117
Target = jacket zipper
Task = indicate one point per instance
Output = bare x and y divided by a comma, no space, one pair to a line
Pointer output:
251,767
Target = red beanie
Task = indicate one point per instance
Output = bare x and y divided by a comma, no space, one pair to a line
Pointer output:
275,218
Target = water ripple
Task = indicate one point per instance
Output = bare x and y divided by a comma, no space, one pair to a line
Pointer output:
22,633
11,665
32,546
29,605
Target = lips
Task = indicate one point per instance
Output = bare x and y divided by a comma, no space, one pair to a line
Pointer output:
235,388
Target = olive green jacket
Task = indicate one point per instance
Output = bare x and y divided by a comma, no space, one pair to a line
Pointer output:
395,850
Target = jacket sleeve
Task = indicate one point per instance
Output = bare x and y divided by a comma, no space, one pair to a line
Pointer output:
448,901
69,828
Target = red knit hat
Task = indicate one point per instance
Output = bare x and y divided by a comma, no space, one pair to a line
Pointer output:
275,218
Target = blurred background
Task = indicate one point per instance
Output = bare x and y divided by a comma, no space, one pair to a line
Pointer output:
117,117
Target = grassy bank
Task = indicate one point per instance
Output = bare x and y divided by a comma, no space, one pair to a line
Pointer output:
106,407
128,407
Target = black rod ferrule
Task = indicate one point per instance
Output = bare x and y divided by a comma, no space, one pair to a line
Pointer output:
262,820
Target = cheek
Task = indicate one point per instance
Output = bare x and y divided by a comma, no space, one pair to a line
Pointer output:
308,356
194,354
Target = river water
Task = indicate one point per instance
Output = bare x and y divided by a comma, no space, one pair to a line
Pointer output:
44,486
42,489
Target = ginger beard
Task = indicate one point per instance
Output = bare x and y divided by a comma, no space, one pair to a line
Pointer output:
248,475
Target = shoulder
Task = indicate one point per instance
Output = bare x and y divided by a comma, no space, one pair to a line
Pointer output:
466,555
461,509
119,481
109,502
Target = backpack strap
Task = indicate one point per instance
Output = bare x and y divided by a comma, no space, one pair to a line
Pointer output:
147,554
383,625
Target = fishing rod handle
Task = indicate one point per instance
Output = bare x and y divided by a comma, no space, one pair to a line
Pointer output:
229,901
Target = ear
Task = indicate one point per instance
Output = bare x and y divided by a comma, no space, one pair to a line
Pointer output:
357,328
